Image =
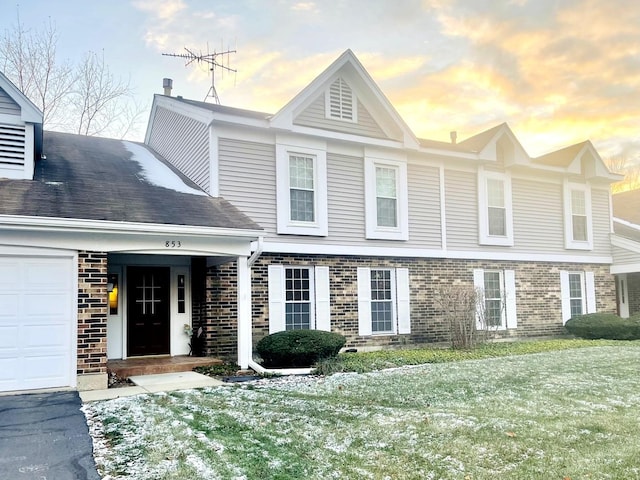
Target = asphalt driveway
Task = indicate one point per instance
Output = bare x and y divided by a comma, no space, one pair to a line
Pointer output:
45,437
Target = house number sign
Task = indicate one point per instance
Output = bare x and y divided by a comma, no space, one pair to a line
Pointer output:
172,244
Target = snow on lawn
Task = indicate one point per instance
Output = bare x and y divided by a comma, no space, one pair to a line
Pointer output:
559,414
156,172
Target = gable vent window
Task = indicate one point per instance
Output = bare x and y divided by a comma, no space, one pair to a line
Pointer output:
341,103
12,145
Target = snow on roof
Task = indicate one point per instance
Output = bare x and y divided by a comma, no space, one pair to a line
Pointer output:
156,172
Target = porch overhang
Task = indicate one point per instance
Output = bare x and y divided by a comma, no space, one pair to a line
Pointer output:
126,237
626,255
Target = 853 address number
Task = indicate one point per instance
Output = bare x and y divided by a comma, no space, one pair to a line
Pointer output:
172,244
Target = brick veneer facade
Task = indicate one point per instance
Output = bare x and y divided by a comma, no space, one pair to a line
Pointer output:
221,307
633,288
92,313
538,297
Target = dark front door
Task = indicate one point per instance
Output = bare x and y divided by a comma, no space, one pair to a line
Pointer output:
147,311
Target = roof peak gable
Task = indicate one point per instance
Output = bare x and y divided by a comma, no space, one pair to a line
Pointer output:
348,67
29,113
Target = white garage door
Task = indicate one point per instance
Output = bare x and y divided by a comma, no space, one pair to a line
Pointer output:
37,322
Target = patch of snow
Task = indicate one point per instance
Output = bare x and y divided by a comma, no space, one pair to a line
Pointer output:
157,173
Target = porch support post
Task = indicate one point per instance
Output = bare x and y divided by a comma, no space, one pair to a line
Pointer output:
244,313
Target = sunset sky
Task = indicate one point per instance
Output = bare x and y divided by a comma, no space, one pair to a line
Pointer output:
558,72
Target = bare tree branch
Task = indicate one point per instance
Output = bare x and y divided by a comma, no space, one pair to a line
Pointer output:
86,99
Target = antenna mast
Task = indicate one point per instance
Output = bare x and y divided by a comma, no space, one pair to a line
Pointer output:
211,59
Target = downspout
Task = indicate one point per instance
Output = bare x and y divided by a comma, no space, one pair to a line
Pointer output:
255,255
245,347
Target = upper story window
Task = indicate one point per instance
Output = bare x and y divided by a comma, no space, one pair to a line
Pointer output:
386,200
341,102
301,190
387,196
578,219
579,215
495,208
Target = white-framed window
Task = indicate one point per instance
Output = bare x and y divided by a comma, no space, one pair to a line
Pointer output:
340,102
299,298
497,303
386,200
578,293
383,301
301,188
577,216
301,194
495,209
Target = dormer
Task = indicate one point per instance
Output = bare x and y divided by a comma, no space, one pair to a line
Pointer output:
20,132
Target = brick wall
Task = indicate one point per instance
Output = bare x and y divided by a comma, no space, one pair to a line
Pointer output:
221,307
537,296
633,287
92,312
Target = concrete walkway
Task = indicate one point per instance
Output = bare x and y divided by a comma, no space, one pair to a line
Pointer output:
162,382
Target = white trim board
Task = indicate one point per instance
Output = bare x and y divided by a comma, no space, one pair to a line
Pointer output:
366,251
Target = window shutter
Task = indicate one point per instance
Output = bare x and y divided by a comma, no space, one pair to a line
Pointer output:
402,296
323,307
590,291
510,298
478,283
276,298
565,295
364,301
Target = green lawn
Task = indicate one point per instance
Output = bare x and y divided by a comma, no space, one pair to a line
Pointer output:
553,415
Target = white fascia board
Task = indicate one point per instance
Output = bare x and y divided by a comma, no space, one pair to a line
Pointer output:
371,251
192,111
230,119
625,243
153,244
132,228
439,152
14,250
346,137
626,268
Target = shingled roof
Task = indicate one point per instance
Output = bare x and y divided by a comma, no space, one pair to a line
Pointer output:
104,179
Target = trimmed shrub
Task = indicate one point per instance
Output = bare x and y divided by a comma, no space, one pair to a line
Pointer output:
604,325
298,348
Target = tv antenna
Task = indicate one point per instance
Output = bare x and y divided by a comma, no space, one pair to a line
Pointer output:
213,60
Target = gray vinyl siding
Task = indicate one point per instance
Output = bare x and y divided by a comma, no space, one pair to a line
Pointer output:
247,179
7,105
622,256
345,182
314,116
184,142
601,221
538,225
461,207
424,206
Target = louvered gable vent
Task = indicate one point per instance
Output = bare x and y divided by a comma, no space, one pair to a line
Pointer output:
341,101
12,145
